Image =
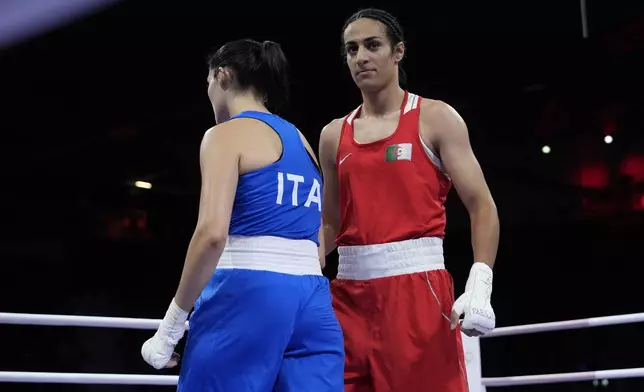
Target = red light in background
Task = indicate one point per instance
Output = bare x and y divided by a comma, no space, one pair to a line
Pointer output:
637,202
142,220
594,175
633,166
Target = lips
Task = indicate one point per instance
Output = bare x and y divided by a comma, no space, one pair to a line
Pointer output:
364,71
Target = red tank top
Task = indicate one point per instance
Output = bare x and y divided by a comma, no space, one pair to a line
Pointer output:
390,189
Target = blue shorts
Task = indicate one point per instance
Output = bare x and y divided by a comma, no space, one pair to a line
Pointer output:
260,331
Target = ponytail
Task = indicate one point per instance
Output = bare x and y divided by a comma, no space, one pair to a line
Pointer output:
261,67
275,66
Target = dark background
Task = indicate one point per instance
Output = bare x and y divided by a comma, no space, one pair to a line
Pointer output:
121,96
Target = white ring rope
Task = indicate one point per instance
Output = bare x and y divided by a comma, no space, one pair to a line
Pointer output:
57,320
87,378
562,377
564,325
143,379
140,323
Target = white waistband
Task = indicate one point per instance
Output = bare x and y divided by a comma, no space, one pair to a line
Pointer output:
364,262
265,253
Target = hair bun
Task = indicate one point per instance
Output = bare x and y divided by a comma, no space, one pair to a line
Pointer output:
266,46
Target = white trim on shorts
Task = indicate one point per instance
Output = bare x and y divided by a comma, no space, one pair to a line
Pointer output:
274,254
363,262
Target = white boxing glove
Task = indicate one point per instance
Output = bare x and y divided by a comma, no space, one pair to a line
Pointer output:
158,351
474,303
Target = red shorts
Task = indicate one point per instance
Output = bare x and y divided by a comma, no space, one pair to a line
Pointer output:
397,331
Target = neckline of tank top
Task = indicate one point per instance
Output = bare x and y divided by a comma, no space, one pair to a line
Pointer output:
252,112
358,110
358,144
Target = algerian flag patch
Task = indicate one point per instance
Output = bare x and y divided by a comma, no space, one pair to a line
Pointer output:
398,152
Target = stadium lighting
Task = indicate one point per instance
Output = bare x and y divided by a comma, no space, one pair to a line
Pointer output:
142,184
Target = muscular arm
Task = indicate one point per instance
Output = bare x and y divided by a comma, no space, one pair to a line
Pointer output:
450,136
321,248
219,158
329,139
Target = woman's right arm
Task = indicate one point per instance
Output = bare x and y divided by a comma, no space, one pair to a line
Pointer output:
328,148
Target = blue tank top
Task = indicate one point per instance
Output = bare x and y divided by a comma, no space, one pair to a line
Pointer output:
283,199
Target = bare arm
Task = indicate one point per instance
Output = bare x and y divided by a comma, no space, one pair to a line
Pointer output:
219,156
329,139
322,248
321,252
450,136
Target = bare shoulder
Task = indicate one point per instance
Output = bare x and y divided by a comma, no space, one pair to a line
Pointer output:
229,133
209,132
332,130
329,141
439,122
434,110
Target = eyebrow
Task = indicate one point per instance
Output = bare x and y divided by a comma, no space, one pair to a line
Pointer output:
372,38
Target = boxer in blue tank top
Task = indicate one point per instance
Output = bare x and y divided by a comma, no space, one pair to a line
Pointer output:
262,318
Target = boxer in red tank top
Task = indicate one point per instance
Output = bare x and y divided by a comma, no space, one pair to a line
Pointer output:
388,167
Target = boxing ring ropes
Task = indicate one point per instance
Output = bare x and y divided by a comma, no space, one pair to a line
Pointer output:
477,383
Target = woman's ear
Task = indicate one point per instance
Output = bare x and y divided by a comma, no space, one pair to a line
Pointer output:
224,77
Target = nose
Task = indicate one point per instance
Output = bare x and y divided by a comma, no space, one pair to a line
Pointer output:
362,57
